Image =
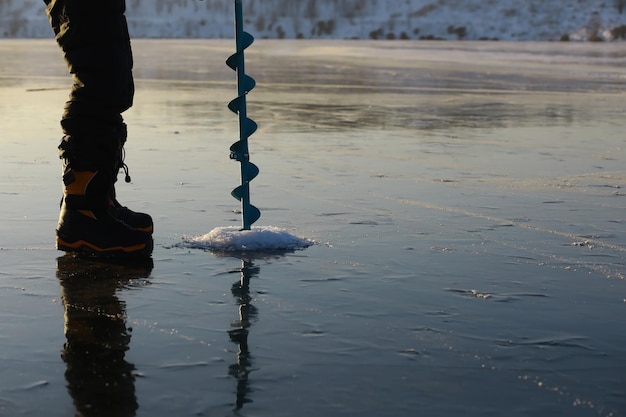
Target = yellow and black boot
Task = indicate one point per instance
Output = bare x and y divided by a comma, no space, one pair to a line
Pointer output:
86,224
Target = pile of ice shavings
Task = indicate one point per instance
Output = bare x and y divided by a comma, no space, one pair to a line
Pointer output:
227,239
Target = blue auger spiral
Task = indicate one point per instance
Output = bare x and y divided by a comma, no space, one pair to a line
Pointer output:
239,150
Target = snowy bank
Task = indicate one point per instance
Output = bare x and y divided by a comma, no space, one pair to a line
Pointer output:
531,20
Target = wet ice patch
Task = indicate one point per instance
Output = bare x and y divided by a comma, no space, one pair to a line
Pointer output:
232,239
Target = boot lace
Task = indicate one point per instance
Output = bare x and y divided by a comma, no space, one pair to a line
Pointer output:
124,166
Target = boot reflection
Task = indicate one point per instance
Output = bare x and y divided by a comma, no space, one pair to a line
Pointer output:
99,379
239,335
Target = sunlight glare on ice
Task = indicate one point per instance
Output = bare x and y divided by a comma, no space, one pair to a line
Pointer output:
231,238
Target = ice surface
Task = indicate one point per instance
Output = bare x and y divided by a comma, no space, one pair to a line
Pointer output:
262,238
471,194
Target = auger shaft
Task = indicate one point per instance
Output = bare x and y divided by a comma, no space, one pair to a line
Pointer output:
239,150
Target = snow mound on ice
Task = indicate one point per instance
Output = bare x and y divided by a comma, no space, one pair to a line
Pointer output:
232,239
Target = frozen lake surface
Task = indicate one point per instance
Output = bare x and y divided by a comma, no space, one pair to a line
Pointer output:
467,203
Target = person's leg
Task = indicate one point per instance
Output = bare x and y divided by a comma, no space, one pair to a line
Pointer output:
94,38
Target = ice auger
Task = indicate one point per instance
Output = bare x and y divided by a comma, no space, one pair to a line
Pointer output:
239,150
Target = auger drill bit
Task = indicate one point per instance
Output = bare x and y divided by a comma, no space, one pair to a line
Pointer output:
239,150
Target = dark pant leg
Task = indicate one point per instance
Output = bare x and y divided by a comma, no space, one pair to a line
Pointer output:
93,36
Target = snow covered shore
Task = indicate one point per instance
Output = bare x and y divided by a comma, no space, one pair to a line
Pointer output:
529,20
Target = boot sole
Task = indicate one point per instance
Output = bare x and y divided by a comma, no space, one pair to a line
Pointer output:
81,246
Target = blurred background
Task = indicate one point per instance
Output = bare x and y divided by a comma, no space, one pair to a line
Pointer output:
510,20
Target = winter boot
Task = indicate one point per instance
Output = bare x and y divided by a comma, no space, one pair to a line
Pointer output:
86,224
136,220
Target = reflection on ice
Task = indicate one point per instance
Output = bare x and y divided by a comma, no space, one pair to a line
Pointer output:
240,331
99,378
232,239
